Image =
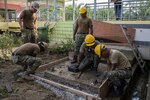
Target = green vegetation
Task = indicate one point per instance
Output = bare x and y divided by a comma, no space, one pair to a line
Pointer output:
64,47
61,32
3,93
136,10
140,12
17,41
1,19
69,11
7,42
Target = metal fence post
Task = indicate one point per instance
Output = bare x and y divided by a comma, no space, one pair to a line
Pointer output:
94,9
108,10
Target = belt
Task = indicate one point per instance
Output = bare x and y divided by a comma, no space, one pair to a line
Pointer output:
82,33
28,28
13,54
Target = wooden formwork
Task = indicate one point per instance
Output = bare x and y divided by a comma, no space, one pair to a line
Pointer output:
70,89
98,93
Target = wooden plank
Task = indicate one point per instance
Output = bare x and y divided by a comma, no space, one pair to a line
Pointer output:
45,66
103,89
66,88
74,83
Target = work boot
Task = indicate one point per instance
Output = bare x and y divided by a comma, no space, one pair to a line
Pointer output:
74,60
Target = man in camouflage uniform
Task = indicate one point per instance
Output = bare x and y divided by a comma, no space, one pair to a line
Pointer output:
83,26
27,22
87,58
25,55
119,67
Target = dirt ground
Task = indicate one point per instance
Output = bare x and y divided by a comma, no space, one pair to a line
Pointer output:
26,90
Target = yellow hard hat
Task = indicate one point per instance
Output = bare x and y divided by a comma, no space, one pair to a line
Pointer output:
98,49
89,40
82,10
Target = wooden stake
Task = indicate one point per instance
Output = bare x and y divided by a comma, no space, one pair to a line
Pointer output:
45,66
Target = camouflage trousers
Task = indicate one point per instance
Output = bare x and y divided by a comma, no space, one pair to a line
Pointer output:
79,39
115,75
90,61
29,36
29,64
85,64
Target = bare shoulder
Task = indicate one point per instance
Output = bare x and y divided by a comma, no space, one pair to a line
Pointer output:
30,45
22,13
89,19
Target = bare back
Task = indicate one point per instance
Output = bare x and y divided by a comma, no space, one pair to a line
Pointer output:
28,18
84,24
28,49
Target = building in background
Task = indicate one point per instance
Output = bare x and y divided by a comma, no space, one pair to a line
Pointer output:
12,10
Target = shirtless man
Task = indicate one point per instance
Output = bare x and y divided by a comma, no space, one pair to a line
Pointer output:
27,22
25,55
83,26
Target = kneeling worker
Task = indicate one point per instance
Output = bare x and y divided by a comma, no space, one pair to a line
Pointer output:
119,67
87,58
25,55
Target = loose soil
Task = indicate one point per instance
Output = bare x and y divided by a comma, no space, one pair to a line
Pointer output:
30,90
26,90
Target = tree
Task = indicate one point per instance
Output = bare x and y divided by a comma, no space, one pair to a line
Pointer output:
137,10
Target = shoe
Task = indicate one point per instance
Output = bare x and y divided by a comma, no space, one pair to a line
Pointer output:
73,68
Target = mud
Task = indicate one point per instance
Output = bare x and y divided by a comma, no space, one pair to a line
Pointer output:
26,90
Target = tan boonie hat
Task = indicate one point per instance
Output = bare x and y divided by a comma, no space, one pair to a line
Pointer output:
35,5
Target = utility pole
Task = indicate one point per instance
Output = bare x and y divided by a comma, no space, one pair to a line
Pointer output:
47,19
94,9
55,10
108,10
73,3
64,17
6,11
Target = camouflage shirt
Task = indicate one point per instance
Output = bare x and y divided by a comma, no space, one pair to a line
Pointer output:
116,57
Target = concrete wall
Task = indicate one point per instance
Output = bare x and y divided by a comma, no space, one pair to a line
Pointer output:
142,34
142,39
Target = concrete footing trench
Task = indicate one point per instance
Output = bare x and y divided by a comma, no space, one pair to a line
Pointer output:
56,77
